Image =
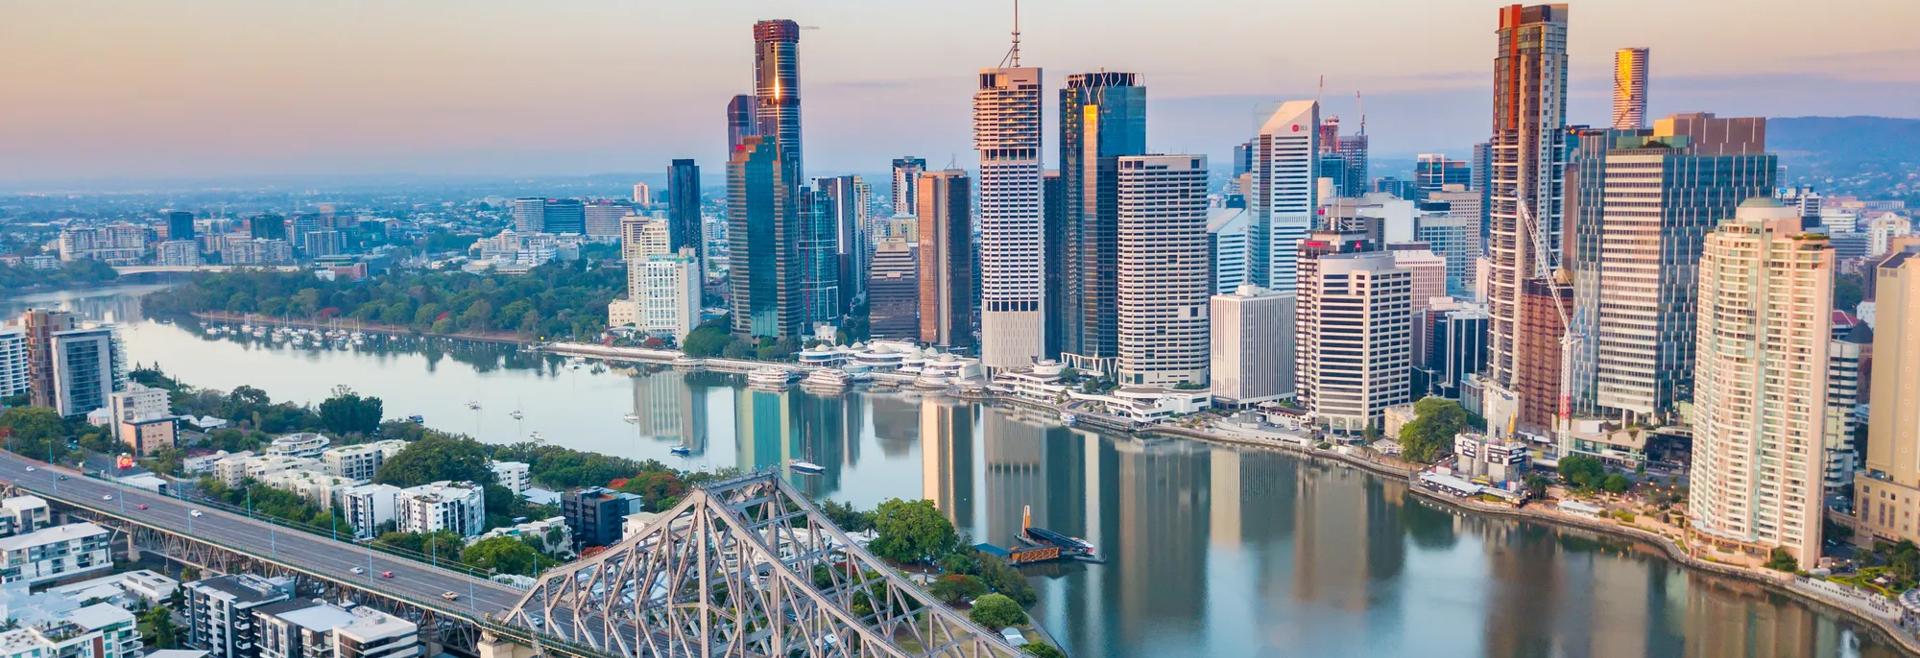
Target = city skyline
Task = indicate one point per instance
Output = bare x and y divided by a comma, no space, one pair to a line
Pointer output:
202,98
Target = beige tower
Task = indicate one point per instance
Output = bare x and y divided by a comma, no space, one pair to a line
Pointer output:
1887,492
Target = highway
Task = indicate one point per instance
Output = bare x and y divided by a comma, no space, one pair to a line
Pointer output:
419,583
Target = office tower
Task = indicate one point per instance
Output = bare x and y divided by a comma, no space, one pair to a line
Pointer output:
1227,235
740,121
762,236
1760,383
267,227
818,254
683,207
1353,153
1483,183
1250,350
1006,132
1629,89
1528,155
1053,200
846,214
1433,172
15,364
776,89
1162,279
1455,237
529,215
1456,347
1355,351
893,289
641,237
1847,357
1887,491
1640,204
87,368
947,299
642,195
40,326
564,216
602,218
906,181
179,225
1284,194
1102,116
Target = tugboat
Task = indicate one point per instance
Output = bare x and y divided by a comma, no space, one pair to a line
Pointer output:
771,378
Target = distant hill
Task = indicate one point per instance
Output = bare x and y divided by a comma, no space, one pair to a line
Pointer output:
1874,157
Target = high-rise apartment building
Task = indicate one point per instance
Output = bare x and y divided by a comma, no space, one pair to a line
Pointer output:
1528,153
1103,116
906,184
1006,132
179,225
1640,204
1887,491
1760,384
1355,330
776,90
1163,281
1847,358
40,326
642,195
683,208
948,302
87,368
1285,192
1251,350
1629,89
219,612
16,369
763,233
847,213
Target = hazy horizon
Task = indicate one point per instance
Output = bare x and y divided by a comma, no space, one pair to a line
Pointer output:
490,89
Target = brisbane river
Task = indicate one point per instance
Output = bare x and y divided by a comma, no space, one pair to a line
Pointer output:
1211,550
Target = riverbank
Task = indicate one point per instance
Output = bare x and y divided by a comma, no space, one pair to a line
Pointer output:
499,338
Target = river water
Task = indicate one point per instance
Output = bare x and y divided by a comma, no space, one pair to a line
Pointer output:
1211,550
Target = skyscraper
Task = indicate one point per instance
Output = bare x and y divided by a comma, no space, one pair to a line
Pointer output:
1887,494
529,214
683,209
1162,282
179,225
740,123
1432,172
1054,259
763,235
1528,154
1285,192
906,179
821,298
1640,204
776,89
564,216
846,212
642,195
1760,389
41,325
1630,89
1103,116
87,367
948,302
1006,132
1250,351
893,289
1355,329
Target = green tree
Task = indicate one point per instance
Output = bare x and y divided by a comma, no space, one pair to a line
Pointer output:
478,316
1043,650
1003,578
956,588
444,545
1615,483
1781,560
845,516
911,531
1436,421
306,302
503,555
348,412
436,457
708,339
1582,471
156,627
658,490
33,431
996,611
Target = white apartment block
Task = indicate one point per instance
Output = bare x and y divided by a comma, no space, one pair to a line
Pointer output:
1006,133
644,237
219,612
1760,384
1355,338
177,253
317,487
1163,281
301,444
1228,230
13,361
550,535
456,507
375,634
23,514
55,552
300,628
100,630
360,462
515,476
368,506
665,294
1283,199
1252,347
237,468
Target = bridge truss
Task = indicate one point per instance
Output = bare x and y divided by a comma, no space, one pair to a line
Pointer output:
745,567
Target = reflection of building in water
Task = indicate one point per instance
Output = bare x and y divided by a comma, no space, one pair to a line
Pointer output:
1523,567
1016,475
1332,542
1162,509
668,408
946,458
820,436
763,427
1727,618
1223,503
896,424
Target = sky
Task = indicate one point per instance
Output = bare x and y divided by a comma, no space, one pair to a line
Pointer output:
211,89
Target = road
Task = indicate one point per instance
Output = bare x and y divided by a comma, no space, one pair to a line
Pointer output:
421,584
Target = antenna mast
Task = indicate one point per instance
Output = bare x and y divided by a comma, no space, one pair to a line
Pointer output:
1014,54
1357,100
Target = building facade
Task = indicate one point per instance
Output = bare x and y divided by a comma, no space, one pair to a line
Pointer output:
1284,194
763,234
1162,278
456,507
1355,328
596,514
1887,490
1630,89
1103,116
1006,133
1251,352
948,302
55,552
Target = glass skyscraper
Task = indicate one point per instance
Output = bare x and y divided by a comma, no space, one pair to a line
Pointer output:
1102,116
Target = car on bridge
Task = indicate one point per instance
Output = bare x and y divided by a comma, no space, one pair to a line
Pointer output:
386,574
357,571
106,496
449,596
194,513
142,506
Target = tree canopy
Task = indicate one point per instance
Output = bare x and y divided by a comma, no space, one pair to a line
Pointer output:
911,531
435,457
996,611
1436,422
348,412
503,555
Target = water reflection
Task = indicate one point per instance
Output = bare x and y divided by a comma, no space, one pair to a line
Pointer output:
1212,551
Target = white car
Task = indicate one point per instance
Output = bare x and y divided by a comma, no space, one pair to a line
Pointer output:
193,513
106,497
31,469
357,571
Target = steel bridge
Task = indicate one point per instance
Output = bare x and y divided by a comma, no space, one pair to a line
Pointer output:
745,567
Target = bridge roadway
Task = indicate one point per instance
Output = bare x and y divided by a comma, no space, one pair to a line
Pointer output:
413,582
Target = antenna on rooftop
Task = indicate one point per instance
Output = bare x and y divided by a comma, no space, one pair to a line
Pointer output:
1013,54
1363,110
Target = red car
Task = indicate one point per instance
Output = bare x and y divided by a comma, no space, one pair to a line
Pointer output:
386,574
143,505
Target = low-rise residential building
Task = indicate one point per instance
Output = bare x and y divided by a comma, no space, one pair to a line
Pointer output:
368,506
205,464
127,589
55,552
317,487
515,476
298,628
300,444
375,634
238,468
23,514
595,515
219,612
360,462
101,630
457,507
550,535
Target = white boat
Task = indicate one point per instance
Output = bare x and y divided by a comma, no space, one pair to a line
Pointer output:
517,415
828,379
806,467
773,378
631,418
680,450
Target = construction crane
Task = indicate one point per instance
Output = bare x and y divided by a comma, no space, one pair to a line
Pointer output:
1559,284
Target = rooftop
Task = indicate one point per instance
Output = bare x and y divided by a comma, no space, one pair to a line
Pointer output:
60,533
